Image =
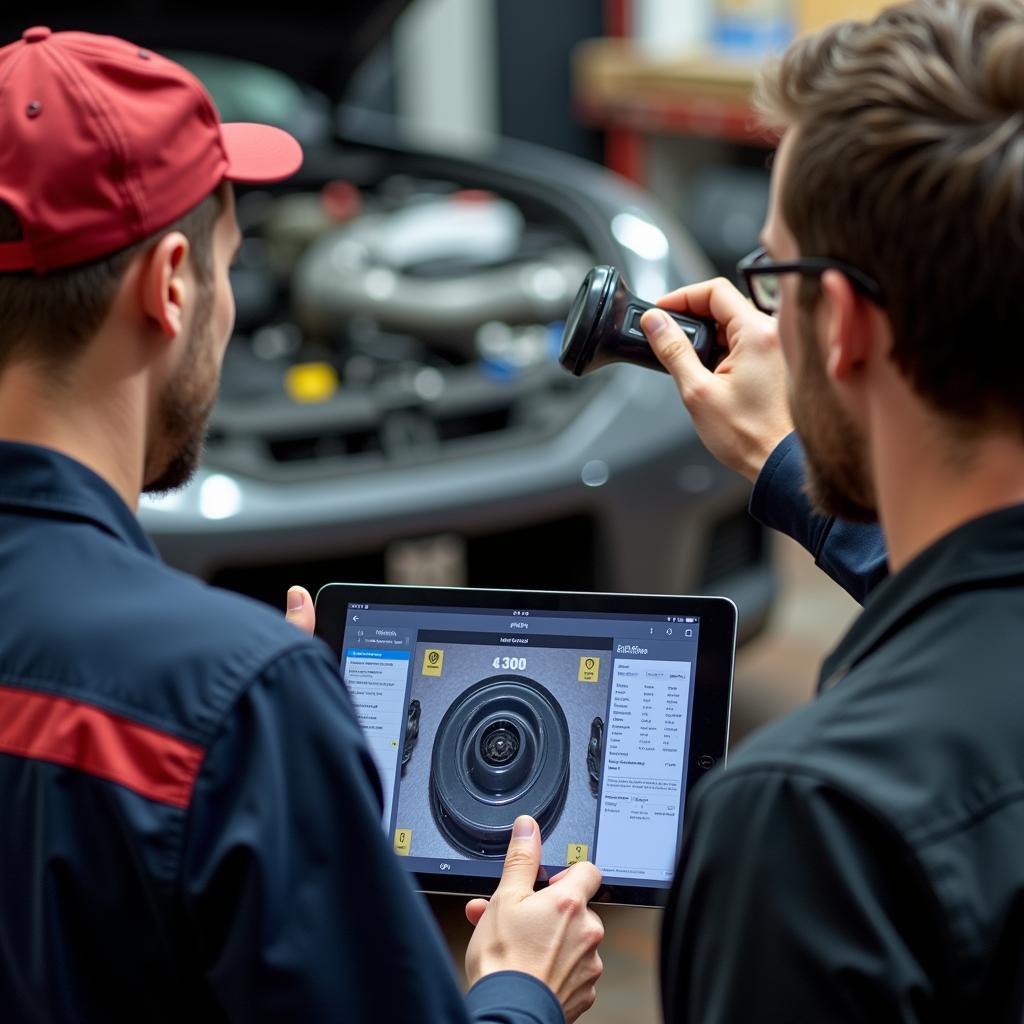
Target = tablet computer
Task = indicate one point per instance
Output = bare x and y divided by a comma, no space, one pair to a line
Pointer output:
594,713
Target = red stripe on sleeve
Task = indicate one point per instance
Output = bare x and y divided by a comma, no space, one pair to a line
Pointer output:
152,763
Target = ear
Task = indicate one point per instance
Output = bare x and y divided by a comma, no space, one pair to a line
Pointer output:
846,327
164,284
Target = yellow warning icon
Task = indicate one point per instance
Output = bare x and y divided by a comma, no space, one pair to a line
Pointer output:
577,852
403,840
433,662
589,667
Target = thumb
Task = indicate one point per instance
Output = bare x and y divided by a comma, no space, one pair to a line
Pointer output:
522,862
301,612
672,346
475,910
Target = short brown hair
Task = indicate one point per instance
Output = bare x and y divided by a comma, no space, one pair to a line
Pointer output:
49,318
908,163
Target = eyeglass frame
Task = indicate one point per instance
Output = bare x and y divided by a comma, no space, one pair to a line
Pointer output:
755,264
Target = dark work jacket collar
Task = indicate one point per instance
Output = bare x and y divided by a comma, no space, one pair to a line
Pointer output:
983,553
45,482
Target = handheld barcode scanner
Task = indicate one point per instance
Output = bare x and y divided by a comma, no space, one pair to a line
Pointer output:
603,327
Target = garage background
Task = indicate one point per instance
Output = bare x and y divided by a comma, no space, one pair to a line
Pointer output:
657,93
656,119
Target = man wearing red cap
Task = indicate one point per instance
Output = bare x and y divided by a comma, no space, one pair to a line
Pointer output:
191,814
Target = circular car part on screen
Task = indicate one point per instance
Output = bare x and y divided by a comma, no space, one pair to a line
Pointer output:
501,750
595,751
412,732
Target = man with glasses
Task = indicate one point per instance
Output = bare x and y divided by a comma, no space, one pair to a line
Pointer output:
744,418
863,858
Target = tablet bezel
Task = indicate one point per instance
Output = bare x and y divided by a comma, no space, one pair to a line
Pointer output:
712,695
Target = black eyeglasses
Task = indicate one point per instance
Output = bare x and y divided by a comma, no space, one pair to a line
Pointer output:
762,277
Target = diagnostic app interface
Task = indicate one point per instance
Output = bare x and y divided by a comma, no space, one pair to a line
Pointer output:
475,716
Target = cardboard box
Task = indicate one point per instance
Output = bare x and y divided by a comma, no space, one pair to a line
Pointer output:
812,14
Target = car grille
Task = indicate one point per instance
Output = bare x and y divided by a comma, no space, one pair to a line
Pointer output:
560,554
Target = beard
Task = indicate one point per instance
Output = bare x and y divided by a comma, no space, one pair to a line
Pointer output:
184,407
838,482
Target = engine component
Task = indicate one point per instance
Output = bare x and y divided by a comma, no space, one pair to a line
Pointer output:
333,284
471,227
483,268
501,750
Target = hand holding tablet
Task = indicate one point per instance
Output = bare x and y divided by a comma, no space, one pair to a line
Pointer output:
550,934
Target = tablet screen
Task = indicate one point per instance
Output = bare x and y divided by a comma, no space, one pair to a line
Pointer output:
474,715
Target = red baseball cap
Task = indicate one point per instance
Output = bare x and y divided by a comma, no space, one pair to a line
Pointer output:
104,143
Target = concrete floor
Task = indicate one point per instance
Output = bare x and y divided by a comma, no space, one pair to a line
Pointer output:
774,673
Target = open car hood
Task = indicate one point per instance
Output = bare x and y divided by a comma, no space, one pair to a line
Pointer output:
318,45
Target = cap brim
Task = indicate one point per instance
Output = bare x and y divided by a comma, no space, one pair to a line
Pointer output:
259,153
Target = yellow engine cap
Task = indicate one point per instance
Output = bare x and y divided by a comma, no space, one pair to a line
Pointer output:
311,382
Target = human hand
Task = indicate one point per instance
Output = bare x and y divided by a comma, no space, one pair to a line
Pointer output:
300,611
551,934
740,409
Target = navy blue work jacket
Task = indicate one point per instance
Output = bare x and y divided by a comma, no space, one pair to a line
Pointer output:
191,819
853,554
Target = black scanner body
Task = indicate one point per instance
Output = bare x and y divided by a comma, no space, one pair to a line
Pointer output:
603,327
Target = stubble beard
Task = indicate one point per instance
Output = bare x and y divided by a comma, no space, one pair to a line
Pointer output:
838,482
185,405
